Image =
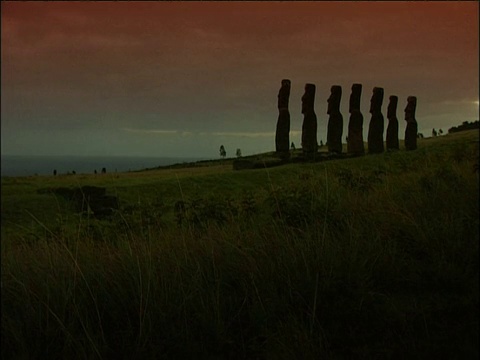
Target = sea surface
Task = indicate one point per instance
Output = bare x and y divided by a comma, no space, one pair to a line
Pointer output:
20,165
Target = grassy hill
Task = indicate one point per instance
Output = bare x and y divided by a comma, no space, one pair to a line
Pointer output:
361,258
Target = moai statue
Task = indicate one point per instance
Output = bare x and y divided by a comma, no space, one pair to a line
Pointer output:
412,127
335,121
282,140
375,130
309,127
392,128
355,125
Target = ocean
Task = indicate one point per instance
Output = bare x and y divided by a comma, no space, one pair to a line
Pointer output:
20,165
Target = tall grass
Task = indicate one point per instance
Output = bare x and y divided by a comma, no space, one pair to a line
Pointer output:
363,259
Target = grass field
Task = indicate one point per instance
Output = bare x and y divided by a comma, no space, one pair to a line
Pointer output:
364,258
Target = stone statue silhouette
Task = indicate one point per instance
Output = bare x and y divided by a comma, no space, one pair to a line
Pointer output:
355,125
335,120
392,128
375,130
412,126
309,127
282,140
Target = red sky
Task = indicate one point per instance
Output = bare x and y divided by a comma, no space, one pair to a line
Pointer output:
182,78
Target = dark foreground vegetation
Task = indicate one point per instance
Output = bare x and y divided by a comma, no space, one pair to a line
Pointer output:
465,126
366,258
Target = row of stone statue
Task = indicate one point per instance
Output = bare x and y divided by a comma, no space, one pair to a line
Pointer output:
355,125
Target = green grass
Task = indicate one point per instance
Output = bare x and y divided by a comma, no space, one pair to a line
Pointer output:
366,258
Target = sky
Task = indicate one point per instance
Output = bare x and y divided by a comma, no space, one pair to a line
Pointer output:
182,78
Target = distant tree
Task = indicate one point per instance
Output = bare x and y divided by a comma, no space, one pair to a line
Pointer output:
74,172
95,171
440,132
420,135
239,153
292,146
321,143
104,170
465,126
434,132
55,172
223,153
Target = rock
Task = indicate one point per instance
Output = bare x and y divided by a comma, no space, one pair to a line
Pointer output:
243,164
376,127
392,128
103,206
91,191
355,125
282,141
309,127
335,120
87,197
412,126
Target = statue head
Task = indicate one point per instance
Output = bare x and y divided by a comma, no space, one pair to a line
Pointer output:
286,82
376,100
334,99
410,108
355,97
392,107
308,98
284,94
